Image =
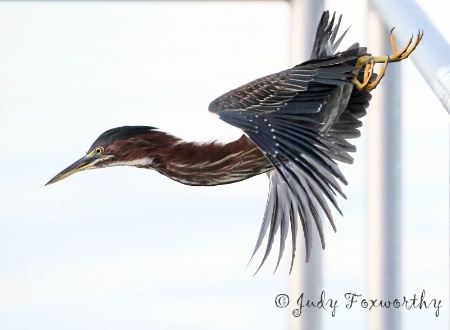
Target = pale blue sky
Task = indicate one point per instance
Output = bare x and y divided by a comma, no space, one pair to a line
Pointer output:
127,248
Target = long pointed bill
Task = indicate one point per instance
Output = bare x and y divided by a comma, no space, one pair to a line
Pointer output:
82,164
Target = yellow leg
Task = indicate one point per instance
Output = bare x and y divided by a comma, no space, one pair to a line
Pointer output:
368,62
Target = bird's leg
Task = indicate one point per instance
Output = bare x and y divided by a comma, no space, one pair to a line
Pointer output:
368,62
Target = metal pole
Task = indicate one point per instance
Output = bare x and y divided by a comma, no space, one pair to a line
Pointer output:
306,278
384,184
432,57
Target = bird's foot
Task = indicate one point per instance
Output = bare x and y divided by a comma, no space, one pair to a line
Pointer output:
368,62
405,51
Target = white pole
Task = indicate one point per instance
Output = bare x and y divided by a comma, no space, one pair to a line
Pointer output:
306,278
432,56
384,184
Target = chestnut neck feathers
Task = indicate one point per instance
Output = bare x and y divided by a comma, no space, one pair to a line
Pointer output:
191,163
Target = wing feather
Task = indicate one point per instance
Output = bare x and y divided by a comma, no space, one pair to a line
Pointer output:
301,119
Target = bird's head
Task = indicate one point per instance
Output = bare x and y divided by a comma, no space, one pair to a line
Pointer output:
126,145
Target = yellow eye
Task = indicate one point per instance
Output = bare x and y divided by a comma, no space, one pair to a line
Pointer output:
98,150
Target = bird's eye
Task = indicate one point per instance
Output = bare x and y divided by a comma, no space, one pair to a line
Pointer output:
99,150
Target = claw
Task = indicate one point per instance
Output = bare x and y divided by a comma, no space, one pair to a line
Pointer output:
405,51
392,40
368,62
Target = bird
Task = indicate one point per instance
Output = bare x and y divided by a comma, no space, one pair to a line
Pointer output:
296,125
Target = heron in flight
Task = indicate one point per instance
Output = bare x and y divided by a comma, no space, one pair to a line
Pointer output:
296,124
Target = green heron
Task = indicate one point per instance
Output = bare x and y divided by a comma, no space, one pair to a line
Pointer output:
296,124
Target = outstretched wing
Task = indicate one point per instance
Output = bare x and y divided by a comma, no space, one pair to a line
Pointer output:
300,119
287,203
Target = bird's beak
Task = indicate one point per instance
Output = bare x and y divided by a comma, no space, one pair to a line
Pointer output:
82,164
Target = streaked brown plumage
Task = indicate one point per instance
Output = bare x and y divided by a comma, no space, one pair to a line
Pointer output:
296,124
210,163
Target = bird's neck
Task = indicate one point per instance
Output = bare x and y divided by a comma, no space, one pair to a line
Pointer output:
210,163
